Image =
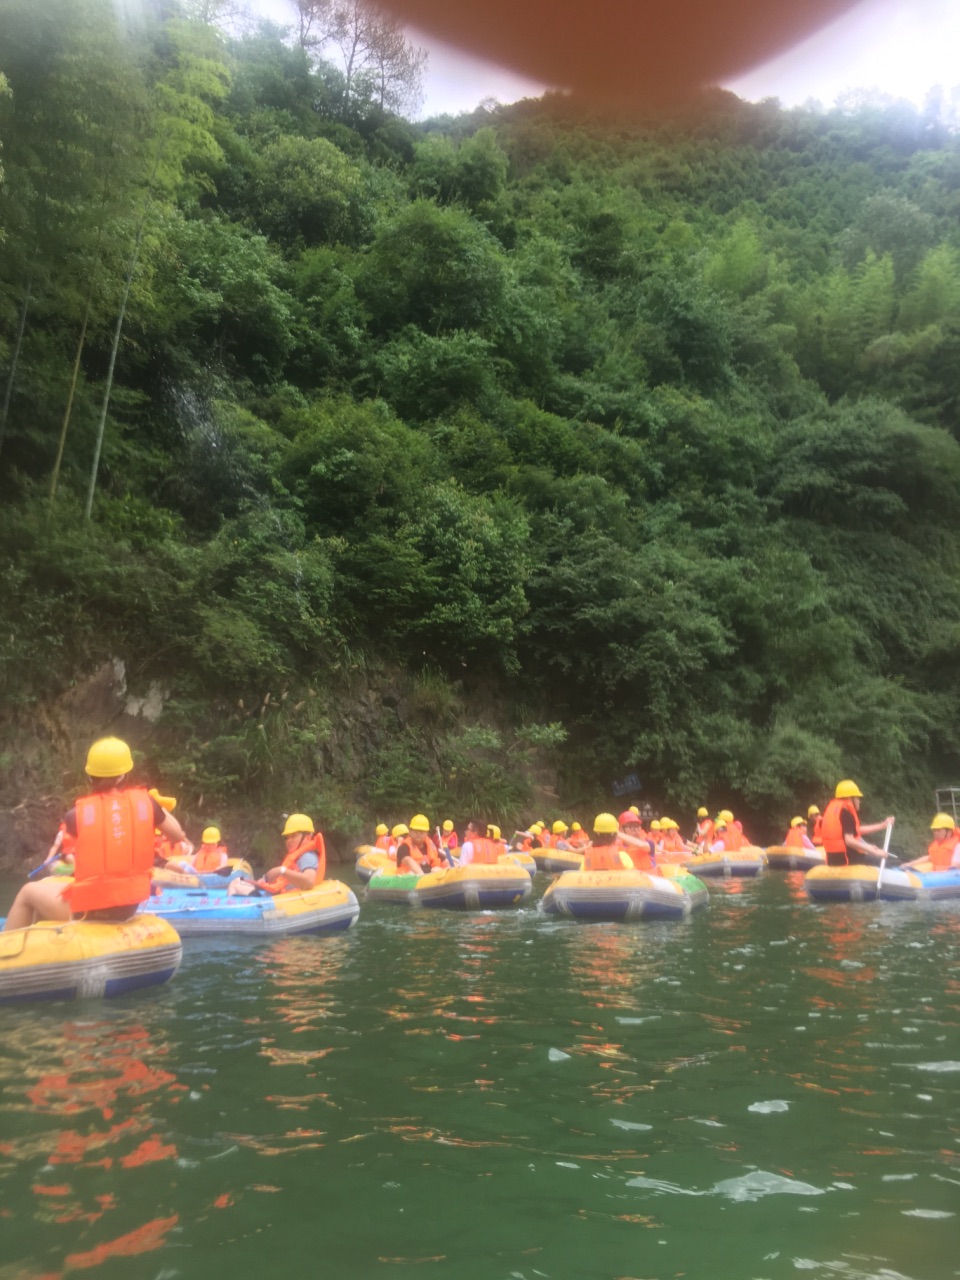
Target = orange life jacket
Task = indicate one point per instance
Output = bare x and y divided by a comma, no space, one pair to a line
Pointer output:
577,839
113,857
604,857
210,857
68,843
733,838
816,835
793,839
429,854
704,832
383,842
940,853
486,851
832,832
289,863
545,841
643,860
452,841
672,843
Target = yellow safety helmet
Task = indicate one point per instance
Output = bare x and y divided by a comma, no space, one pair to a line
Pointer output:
667,824
798,822
211,835
634,809
493,831
942,822
382,829
165,802
847,789
813,811
298,823
108,758
419,822
605,824
536,828
401,829
720,821
575,826
726,815
559,827
655,825
703,813
448,825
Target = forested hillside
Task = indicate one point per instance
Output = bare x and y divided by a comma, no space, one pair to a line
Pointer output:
613,444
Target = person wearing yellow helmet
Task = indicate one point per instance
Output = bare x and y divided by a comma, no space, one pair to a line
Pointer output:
419,847
450,840
797,837
401,851
382,838
113,827
173,853
577,837
304,862
212,854
843,832
703,832
943,851
608,842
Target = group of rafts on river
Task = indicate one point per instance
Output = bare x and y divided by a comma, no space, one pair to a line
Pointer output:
103,914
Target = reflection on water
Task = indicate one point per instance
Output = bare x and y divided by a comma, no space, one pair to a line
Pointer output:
505,1096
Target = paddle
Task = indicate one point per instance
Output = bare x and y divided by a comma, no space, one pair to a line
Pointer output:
443,848
31,875
886,854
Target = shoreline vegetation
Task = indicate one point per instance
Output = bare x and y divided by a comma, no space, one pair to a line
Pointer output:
356,466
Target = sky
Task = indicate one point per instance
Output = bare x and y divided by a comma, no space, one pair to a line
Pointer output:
902,47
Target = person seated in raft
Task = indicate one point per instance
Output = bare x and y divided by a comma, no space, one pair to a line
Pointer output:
943,851
843,841
796,837
631,829
703,832
113,857
420,847
559,835
481,850
305,862
167,851
720,836
733,837
62,848
212,855
450,839
383,840
603,853
402,852
577,837
815,824
472,833
672,839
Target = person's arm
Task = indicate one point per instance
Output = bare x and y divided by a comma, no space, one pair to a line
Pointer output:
172,829
877,826
55,847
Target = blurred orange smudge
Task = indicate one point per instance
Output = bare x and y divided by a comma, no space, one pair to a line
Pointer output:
150,1236
51,1191
148,1151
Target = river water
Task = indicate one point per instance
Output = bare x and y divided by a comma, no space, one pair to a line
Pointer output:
770,1089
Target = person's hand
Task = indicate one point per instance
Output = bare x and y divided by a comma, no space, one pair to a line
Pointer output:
272,874
888,822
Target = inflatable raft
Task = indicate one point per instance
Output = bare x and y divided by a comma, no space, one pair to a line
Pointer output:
54,960
519,858
865,884
784,858
234,869
748,861
370,860
554,860
469,888
329,907
624,895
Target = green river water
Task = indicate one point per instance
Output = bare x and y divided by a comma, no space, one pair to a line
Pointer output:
769,1090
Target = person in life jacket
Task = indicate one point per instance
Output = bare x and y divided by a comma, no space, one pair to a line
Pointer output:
815,824
672,839
451,841
639,846
796,837
305,861
402,852
732,833
543,835
703,832
558,835
943,851
482,850
656,836
63,846
383,840
577,837
167,851
609,844
113,858
842,832
212,855
420,847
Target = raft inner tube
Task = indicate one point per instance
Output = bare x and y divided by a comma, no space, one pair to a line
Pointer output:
329,907
622,895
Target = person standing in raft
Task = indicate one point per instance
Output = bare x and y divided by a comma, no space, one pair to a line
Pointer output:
305,862
843,841
113,857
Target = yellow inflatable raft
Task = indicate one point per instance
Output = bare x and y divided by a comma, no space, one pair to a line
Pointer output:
329,907
748,861
371,860
558,860
470,888
67,961
784,858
